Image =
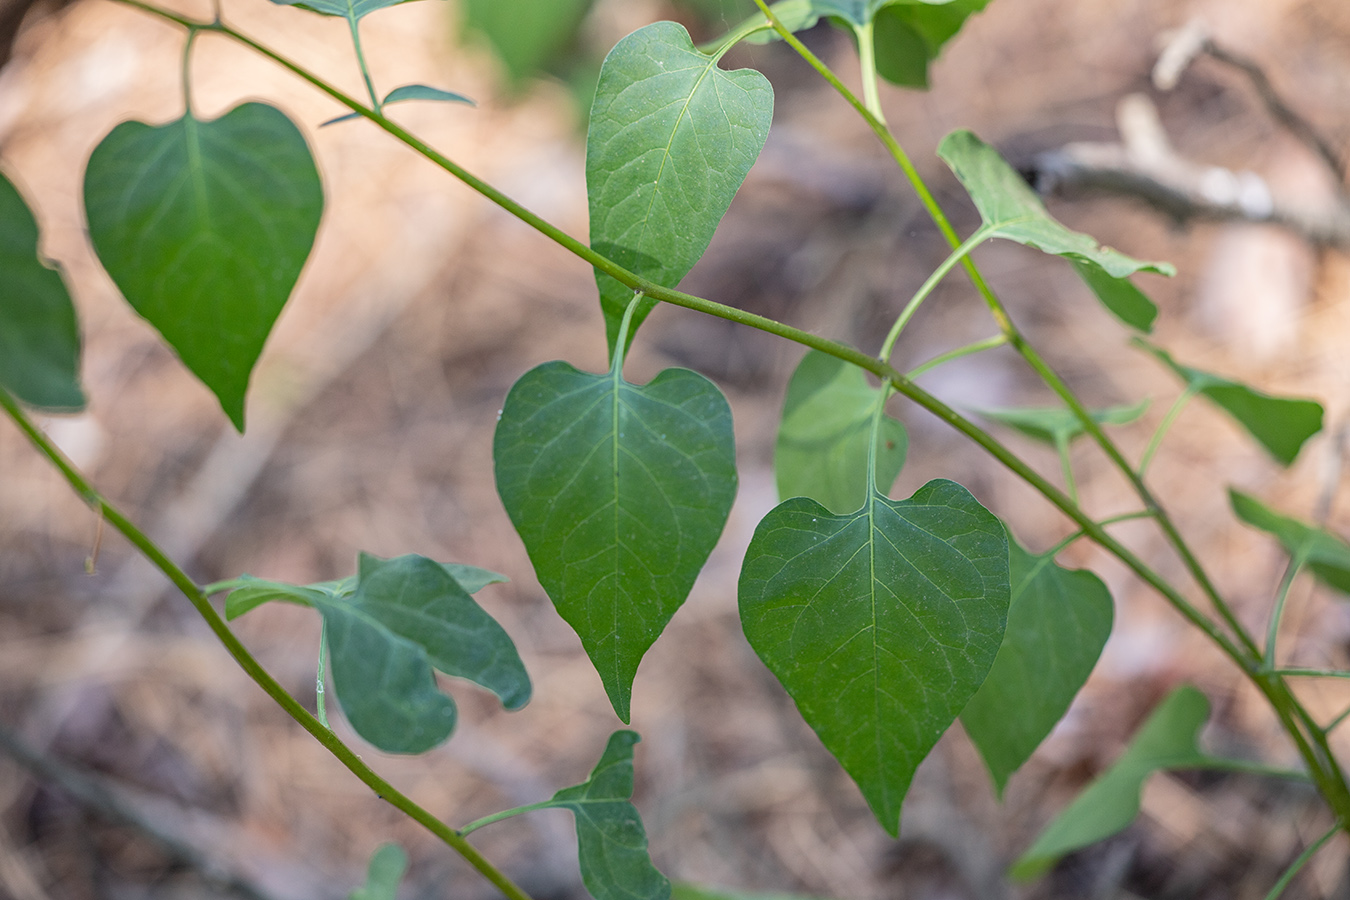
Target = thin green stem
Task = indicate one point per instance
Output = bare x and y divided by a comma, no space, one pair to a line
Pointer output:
504,814
1066,466
355,24
929,285
1156,441
1111,520
1277,614
1302,861
1218,764
320,703
187,72
1312,673
1331,726
997,340
867,61
152,552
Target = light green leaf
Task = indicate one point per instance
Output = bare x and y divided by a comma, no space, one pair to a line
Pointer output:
1166,741
686,891
204,227
671,139
822,442
387,865
1279,424
527,35
1326,555
881,624
352,10
1056,425
39,336
1011,210
423,92
1058,623
909,37
611,842
619,492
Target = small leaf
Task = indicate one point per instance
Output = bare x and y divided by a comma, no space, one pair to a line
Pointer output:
422,92
248,593
387,865
1058,624
352,10
1011,209
1326,555
671,138
39,335
822,442
881,624
1166,741
619,492
1054,425
527,35
1279,424
611,842
910,36
204,227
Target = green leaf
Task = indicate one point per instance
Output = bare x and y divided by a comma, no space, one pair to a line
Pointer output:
671,138
1279,424
423,92
685,891
526,35
909,37
1056,425
611,842
881,624
248,593
822,442
39,336
619,492
1166,741
1326,555
387,865
1011,210
204,227
352,10
860,12
1058,623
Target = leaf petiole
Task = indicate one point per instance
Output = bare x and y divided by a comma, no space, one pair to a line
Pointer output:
1163,427
990,343
1302,861
1296,564
506,814
960,253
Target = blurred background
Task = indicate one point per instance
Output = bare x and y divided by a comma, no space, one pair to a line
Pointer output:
372,412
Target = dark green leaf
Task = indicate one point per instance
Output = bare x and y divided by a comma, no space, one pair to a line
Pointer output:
248,593
1011,210
1326,555
671,138
1055,425
527,35
1280,424
205,226
822,442
352,10
1057,625
387,865
619,492
881,624
1166,741
423,92
611,842
39,336
909,36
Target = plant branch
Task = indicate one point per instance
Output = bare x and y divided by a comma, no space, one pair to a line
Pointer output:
151,551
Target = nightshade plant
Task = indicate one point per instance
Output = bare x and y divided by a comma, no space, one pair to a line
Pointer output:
885,619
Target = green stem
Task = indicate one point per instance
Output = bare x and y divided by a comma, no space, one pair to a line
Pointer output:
152,552
1066,466
956,256
355,24
1218,764
187,73
320,704
1302,861
1312,673
1277,614
1331,726
997,340
1112,520
505,814
867,60
1156,441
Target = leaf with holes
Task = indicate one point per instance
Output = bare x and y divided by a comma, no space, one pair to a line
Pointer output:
1325,554
204,227
619,492
881,624
39,335
821,451
1011,210
671,138
1058,623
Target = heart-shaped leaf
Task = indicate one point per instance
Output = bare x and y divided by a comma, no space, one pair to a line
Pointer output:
39,336
387,865
910,36
880,624
1168,740
822,442
1279,424
1058,623
1057,425
1011,210
619,492
527,35
671,139
611,842
204,227
1326,555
